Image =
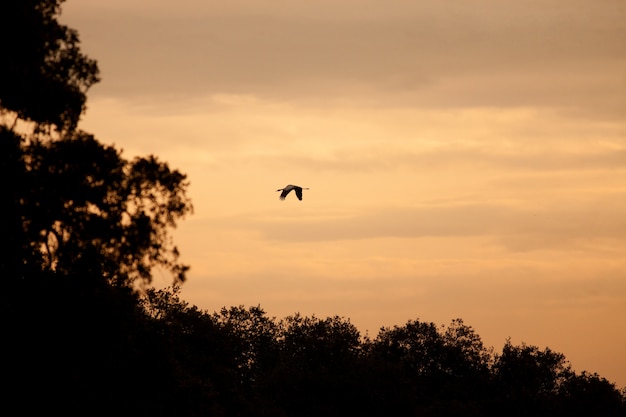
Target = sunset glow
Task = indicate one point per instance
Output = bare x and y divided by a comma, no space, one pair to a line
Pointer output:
464,159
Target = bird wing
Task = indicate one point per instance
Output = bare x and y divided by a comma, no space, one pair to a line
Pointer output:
286,191
299,193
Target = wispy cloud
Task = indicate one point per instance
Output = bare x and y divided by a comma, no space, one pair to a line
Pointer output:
460,54
532,226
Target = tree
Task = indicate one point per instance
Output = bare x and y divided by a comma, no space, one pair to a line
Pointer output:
74,204
253,335
12,170
83,208
417,345
439,369
527,369
316,343
589,394
44,75
315,374
199,354
529,379
466,352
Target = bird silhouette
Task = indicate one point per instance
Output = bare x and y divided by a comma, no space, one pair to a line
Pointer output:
288,189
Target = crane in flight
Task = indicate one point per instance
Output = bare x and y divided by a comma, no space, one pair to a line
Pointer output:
288,189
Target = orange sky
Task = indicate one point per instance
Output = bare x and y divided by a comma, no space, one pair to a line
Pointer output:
465,158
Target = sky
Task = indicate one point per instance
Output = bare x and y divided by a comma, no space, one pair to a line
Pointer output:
465,159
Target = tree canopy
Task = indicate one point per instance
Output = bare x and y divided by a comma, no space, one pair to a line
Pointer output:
74,204
82,207
45,76
255,365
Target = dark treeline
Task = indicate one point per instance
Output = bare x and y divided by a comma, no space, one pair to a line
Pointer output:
76,347
83,333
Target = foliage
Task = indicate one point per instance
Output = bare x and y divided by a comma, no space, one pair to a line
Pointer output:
252,335
307,366
590,394
78,346
74,205
330,342
158,355
83,208
45,75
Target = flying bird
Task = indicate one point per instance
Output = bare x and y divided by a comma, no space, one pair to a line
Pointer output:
288,189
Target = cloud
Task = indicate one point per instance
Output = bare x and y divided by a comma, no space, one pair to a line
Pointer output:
375,159
517,227
416,54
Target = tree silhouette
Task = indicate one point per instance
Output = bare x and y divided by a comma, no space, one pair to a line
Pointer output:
83,208
73,204
83,229
590,394
312,373
44,74
529,378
